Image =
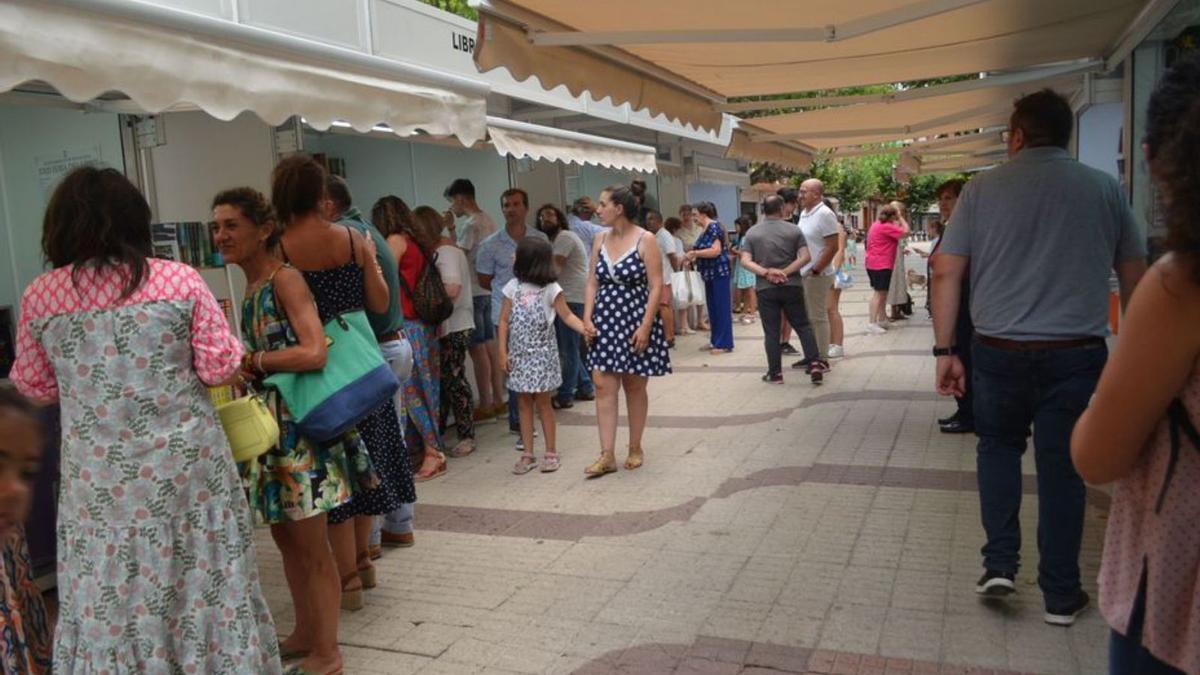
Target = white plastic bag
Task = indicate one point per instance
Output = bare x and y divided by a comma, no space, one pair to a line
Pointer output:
687,289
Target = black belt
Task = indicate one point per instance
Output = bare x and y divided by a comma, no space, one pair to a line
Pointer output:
1036,345
388,337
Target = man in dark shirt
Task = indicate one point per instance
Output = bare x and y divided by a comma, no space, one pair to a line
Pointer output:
774,250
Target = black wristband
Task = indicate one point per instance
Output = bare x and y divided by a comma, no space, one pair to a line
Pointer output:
945,351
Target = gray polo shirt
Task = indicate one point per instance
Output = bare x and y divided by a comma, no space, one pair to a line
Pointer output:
774,243
1043,233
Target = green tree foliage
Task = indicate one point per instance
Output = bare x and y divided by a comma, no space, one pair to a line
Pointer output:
854,180
459,7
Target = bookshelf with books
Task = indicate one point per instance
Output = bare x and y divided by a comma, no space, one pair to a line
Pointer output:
191,243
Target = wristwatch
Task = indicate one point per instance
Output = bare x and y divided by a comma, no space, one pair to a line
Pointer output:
945,351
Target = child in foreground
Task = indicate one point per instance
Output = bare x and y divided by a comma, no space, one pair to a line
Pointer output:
24,627
528,348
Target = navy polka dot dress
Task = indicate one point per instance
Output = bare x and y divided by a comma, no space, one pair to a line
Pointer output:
621,295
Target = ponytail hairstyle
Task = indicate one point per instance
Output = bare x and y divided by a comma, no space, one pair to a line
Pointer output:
297,188
1172,137
625,198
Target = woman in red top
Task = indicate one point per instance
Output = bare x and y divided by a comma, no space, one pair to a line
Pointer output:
422,390
882,240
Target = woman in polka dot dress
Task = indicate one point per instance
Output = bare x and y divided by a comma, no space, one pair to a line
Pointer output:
620,315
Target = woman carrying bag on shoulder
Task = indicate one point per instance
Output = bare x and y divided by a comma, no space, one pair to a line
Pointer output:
296,483
422,392
338,264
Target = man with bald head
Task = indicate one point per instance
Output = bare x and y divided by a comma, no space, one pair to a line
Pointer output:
820,227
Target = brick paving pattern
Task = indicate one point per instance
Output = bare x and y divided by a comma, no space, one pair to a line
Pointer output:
793,529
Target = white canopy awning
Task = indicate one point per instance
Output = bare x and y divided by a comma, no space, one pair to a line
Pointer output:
160,58
521,139
692,54
787,155
899,117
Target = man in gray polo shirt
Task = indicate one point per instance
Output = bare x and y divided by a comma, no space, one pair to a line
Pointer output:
1041,236
774,250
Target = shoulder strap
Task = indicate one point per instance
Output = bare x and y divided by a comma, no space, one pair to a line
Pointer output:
1177,416
350,236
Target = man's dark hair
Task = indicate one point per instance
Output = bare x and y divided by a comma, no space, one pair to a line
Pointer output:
255,207
1045,117
773,206
652,212
672,224
954,185
98,218
638,186
338,192
790,195
515,191
534,262
460,186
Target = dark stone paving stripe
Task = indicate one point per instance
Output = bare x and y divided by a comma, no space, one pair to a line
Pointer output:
572,527
724,656
759,369
572,418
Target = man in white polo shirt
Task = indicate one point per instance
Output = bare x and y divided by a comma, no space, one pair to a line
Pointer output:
820,227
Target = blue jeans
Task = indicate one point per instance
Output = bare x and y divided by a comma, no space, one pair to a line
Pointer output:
575,378
397,522
1048,389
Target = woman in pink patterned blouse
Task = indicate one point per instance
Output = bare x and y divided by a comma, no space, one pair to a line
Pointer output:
156,556
1140,429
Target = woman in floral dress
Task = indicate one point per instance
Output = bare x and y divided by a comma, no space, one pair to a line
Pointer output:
155,544
295,484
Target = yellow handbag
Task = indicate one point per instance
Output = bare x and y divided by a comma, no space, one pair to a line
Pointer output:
250,427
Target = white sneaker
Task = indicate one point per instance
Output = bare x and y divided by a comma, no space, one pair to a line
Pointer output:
876,329
836,352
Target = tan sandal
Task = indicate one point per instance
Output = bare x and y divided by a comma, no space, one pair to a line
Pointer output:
352,598
601,466
366,572
635,459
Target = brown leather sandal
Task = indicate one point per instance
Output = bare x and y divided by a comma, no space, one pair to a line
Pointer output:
352,598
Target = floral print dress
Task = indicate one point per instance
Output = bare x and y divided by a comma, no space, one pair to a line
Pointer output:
156,560
297,479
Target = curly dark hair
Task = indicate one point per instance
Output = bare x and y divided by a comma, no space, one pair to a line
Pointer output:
98,218
1172,136
254,206
562,219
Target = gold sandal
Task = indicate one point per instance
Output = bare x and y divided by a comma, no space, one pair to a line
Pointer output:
601,466
635,458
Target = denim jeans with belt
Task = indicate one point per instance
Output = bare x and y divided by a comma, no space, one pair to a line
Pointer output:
575,378
1048,389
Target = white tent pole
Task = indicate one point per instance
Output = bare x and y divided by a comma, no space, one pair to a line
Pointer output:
1006,79
906,13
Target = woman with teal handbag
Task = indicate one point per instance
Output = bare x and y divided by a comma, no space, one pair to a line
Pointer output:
338,264
297,482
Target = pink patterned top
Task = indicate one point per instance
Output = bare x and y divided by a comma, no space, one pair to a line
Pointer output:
1165,544
216,351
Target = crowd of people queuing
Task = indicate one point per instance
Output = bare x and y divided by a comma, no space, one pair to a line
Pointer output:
156,556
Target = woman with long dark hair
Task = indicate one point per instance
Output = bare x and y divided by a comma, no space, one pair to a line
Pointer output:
414,248
1140,428
156,547
710,255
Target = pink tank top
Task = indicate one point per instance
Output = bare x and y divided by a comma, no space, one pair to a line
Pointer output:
1166,544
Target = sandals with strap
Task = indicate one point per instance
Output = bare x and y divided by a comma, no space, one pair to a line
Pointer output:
605,464
525,464
550,462
635,459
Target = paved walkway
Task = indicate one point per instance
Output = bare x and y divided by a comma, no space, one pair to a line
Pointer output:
789,528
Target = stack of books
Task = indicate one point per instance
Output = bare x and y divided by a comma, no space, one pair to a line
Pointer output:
190,243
